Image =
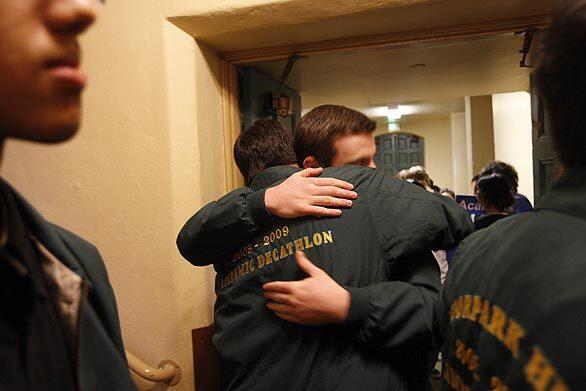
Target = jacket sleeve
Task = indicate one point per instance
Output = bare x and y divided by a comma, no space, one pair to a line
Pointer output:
398,315
410,219
222,226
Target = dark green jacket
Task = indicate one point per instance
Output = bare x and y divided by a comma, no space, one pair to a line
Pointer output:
101,360
380,250
514,304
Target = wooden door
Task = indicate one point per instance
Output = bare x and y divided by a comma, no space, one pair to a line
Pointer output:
545,164
398,151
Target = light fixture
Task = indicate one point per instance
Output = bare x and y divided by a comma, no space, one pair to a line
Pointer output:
407,109
393,113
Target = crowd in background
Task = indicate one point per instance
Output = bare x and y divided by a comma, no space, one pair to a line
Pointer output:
495,186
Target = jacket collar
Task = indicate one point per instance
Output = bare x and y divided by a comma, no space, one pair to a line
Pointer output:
568,194
45,233
271,175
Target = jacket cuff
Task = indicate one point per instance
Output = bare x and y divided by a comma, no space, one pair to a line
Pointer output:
257,209
359,307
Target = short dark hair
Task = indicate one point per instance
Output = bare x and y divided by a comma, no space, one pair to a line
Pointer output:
504,169
262,145
561,79
318,130
494,190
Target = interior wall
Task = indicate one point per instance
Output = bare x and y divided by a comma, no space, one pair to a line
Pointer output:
481,130
148,155
460,177
512,136
438,146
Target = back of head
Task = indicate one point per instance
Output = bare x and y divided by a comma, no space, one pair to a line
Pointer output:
419,175
317,131
264,144
504,169
562,80
402,175
493,190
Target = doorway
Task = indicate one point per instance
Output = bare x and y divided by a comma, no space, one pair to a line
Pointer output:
451,106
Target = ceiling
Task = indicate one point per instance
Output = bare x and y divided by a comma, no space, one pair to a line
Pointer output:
371,78
428,108
231,25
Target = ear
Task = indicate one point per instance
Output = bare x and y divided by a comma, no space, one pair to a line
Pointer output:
311,162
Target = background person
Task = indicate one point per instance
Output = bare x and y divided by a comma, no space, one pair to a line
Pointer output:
402,175
420,177
507,171
59,327
515,298
496,197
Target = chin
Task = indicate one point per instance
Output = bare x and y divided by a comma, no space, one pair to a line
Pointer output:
62,135
49,133
58,126
50,121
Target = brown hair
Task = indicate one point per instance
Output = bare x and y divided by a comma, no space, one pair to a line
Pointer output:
419,175
262,145
318,130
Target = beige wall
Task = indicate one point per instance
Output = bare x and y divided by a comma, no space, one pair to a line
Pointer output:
438,146
148,155
481,133
512,136
460,177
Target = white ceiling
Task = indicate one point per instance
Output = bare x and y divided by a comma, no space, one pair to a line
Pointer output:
371,78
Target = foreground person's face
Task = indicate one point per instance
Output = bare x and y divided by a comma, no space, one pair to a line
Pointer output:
357,149
40,80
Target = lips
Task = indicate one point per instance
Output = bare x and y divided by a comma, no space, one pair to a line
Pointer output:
65,70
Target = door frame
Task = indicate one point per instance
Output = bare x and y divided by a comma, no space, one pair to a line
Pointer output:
230,60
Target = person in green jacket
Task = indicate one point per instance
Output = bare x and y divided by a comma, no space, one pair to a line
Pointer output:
59,327
361,315
513,308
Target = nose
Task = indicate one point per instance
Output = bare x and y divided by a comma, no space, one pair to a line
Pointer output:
70,16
